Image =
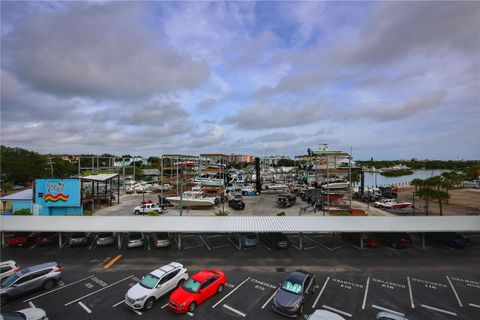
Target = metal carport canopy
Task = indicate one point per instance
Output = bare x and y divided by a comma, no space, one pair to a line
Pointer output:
238,224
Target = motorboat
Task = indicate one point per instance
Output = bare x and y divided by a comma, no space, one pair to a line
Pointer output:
335,185
276,186
192,199
209,182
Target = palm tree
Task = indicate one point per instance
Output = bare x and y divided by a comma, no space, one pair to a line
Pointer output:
440,196
435,181
426,194
416,183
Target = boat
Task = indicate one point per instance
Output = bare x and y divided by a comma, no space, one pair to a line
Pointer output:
391,204
192,199
209,182
336,185
276,186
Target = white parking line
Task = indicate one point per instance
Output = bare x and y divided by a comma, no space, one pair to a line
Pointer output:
337,311
216,304
65,243
320,293
235,310
190,314
136,311
124,279
439,310
84,307
93,242
318,243
33,246
455,292
266,247
474,305
63,287
205,243
410,293
164,306
269,299
366,293
118,303
30,303
388,310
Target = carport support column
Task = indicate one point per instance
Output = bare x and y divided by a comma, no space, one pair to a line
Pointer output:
361,241
119,240
301,241
3,239
179,242
59,240
423,241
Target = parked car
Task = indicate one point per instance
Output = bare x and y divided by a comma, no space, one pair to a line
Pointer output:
196,290
396,240
7,268
275,240
135,239
237,202
105,239
324,315
451,239
285,200
369,240
245,240
25,314
294,292
20,239
149,207
78,239
44,275
154,285
385,315
46,238
161,239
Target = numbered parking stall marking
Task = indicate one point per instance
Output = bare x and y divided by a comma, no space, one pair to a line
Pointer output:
389,294
468,290
344,296
434,297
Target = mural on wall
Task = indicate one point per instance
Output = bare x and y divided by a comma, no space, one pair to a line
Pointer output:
56,187
57,192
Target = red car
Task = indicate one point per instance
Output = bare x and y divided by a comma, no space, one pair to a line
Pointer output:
196,290
46,239
19,239
369,240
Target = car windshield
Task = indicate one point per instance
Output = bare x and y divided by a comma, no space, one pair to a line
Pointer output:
191,285
135,236
149,281
292,287
13,316
105,235
9,280
79,235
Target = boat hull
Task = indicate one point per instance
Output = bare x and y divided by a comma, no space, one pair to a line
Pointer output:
191,202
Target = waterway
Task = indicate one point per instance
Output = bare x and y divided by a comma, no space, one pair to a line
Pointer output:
376,179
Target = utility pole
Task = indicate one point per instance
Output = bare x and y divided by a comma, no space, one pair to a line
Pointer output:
50,162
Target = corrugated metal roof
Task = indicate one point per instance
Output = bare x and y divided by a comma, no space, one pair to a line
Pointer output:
100,177
25,195
239,224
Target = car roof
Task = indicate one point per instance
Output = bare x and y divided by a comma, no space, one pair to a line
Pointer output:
36,268
165,269
203,275
298,275
389,315
324,315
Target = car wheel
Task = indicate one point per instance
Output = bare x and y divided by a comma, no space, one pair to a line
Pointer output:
49,284
137,212
180,283
3,300
192,307
220,288
149,303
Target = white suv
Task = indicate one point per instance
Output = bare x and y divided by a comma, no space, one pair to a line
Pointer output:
144,294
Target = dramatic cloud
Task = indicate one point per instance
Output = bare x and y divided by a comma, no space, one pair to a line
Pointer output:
97,51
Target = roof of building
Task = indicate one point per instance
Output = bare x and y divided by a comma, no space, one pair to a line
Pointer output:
25,195
151,172
239,224
100,177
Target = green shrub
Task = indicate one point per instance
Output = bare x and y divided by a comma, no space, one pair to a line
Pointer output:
281,213
23,212
153,213
472,213
221,213
87,213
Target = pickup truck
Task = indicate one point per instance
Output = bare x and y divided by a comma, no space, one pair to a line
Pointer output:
149,207
391,204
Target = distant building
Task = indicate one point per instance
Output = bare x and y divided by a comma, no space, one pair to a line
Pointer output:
241,158
272,160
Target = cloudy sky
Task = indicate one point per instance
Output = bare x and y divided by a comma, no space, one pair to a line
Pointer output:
389,79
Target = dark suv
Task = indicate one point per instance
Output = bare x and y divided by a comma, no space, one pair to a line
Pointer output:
44,275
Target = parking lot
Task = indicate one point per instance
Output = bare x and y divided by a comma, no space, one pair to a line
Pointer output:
437,283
